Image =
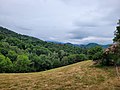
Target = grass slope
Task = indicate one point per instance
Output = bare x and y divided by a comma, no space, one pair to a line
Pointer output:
79,76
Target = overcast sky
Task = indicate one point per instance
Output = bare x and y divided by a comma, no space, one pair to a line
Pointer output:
74,21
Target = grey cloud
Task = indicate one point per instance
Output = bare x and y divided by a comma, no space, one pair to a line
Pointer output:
85,32
86,24
23,28
74,21
79,34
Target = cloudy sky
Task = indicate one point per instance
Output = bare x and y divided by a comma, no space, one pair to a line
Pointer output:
74,21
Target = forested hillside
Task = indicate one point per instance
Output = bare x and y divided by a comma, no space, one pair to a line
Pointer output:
22,53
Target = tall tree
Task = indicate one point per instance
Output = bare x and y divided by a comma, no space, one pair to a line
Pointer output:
117,33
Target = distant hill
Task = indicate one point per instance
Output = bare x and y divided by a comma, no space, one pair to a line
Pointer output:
93,45
89,45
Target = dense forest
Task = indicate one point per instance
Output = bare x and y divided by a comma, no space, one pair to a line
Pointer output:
22,53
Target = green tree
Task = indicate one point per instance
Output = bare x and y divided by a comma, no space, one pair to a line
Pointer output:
22,64
82,57
2,37
45,62
116,53
56,63
36,62
4,51
55,59
98,55
61,54
65,61
41,50
12,55
5,64
95,53
117,33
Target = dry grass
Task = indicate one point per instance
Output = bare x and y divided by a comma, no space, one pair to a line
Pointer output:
79,76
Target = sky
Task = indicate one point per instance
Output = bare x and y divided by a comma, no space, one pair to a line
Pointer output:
73,21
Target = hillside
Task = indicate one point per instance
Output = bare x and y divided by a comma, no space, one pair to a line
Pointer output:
90,45
79,76
22,53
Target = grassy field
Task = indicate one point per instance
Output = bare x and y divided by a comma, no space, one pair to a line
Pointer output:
79,76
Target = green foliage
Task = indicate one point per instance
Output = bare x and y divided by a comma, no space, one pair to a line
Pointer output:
12,55
41,50
73,58
117,33
5,64
98,55
21,53
61,54
35,62
57,63
22,64
95,53
4,51
2,37
65,61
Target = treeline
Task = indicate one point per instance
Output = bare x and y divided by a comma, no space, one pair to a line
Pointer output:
21,53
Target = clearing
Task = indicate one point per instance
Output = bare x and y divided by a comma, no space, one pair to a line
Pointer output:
80,76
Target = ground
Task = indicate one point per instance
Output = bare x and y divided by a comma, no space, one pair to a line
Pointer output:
80,76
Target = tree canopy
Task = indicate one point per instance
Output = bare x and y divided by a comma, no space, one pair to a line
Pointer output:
22,53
